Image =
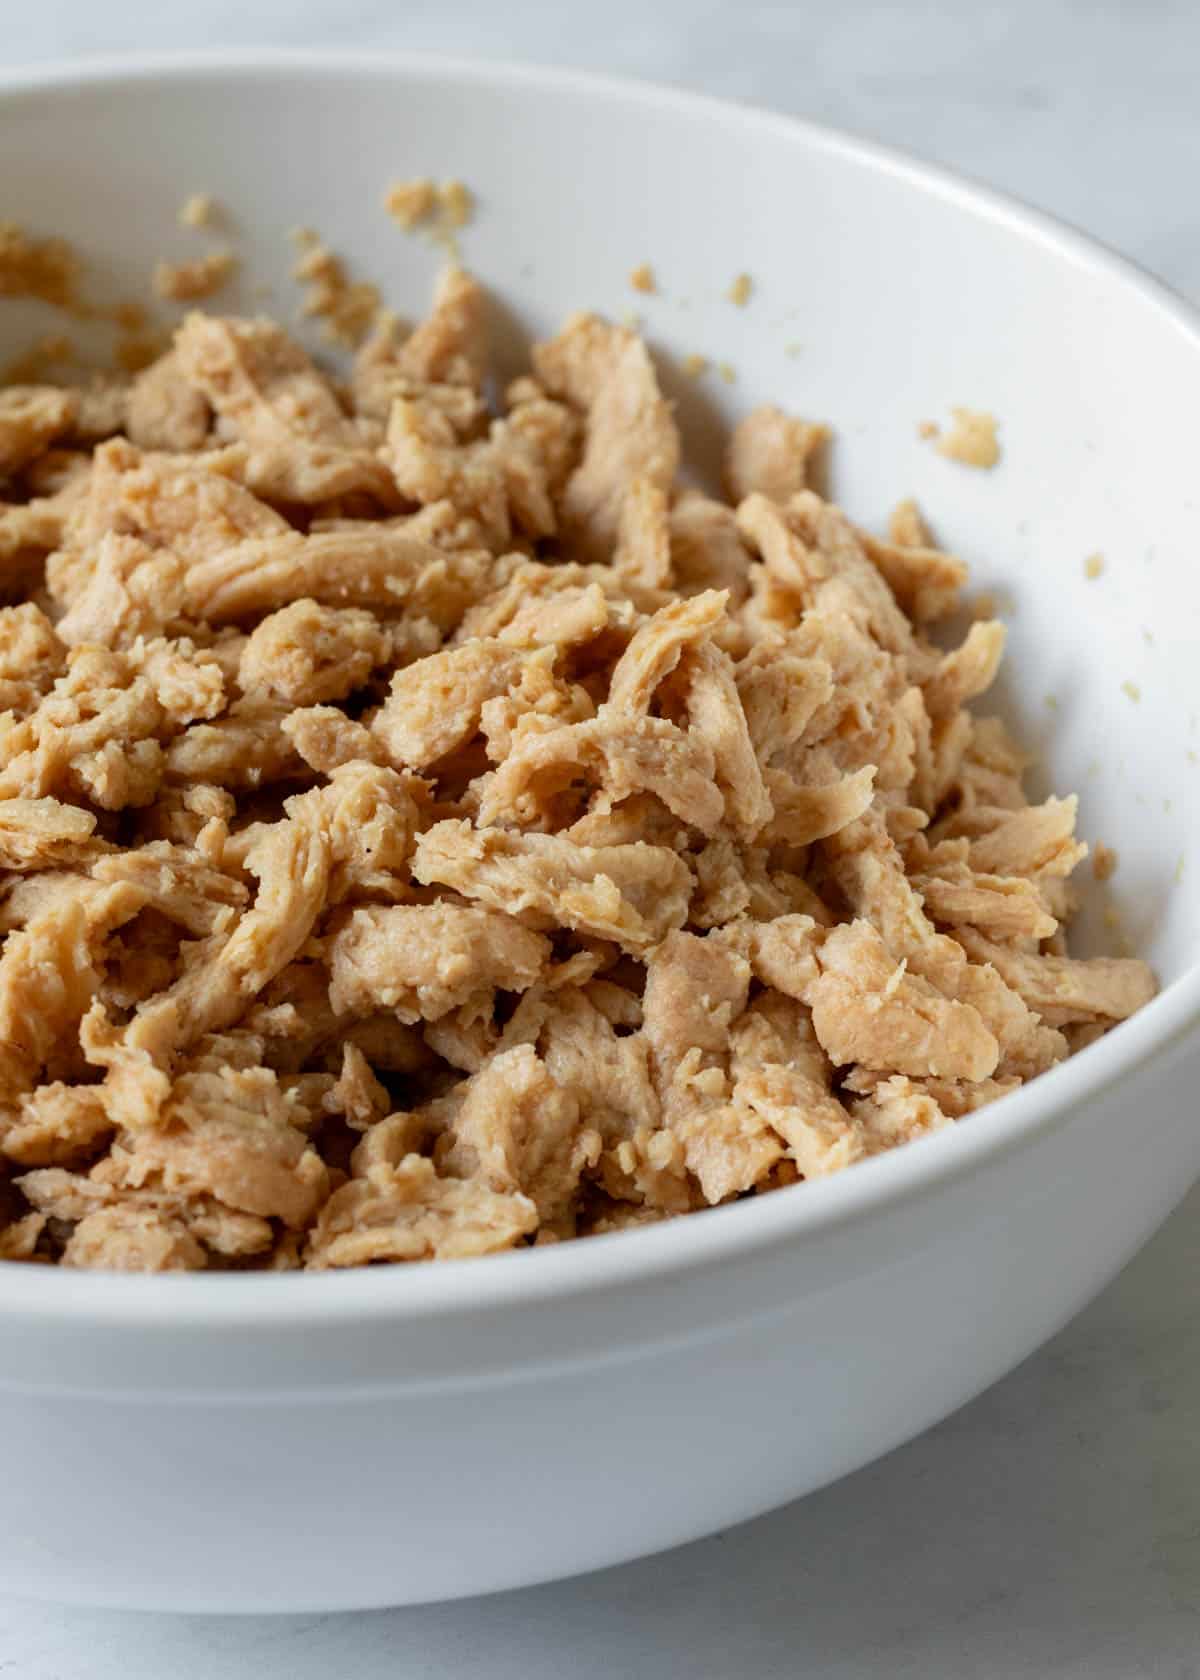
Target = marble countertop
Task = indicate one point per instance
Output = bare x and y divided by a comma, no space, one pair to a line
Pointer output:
1052,1528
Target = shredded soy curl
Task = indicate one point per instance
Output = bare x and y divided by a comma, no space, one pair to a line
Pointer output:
428,829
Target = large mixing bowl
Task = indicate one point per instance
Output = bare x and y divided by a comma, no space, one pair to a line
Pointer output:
326,1441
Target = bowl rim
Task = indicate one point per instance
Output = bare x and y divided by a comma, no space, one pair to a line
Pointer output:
451,1288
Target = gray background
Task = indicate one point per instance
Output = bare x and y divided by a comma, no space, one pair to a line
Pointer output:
1052,1528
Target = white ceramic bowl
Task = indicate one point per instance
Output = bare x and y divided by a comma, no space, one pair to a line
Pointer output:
302,1442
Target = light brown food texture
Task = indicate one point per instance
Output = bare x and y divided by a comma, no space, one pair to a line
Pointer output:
188,282
971,439
428,828
440,209
348,309
199,210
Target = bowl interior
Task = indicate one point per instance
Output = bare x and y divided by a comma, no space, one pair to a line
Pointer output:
881,297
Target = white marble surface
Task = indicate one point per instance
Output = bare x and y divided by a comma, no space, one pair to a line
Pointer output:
1052,1528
